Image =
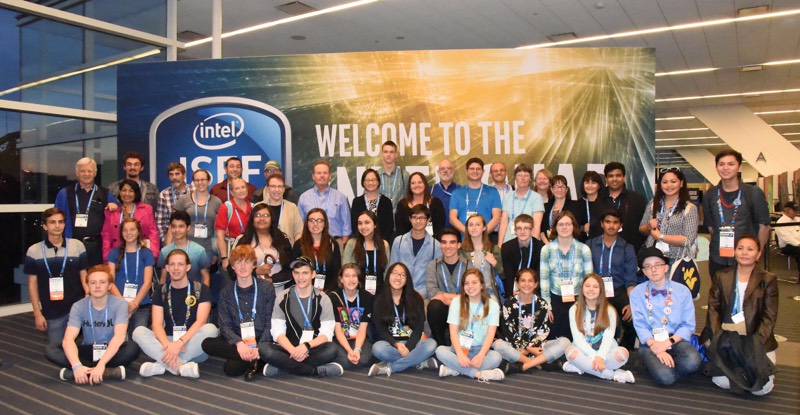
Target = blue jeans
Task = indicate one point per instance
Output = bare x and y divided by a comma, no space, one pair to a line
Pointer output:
551,349
447,355
385,352
55,330
140,318
687,361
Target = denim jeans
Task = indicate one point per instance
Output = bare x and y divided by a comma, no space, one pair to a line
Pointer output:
55,330
277,356
366,354
584,363
150,345
385,352
687,361
127,353
447,355
552,349
140,318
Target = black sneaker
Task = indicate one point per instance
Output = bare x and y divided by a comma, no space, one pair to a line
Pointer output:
512,368
65,374
330,369
114,373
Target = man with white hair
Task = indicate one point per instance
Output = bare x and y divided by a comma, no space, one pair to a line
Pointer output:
84,203
444,189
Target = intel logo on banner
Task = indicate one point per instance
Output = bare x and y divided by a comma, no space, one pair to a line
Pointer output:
203,133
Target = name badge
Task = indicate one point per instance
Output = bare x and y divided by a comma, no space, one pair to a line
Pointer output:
248,331
726,242
471,213
429,228
56,288
178,332
660,334
200,230
352,332
465,339
307,336
130,291
662,246
81,220
371,284
738,317
567,291
98,350
608,283
319,282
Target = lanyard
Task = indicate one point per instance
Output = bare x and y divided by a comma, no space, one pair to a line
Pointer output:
239,218
610,256
514,203
737,293
63,262
663,218
475,316
125,263
316,264
91,320
397,315
347,302
188,309
458,279
306,309
394,184
317,195
533,309
588,215
89,203
553,209
588,327
255,299
228,189
667,304
565,275
444,191
280,213
122,213
530,256
205,211
374,260
736,204
478,201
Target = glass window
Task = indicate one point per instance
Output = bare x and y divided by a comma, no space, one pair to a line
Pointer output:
47,169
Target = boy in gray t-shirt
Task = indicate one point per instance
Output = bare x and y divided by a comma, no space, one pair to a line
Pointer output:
103,321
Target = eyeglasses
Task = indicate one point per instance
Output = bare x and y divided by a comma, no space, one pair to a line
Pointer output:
397,274
419,217
669,169
262,215
523,228
558,187
565,225
370,180
271,170
653,267
317,221
276,186
475,169
200,180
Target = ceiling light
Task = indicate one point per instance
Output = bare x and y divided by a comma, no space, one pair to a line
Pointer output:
741,94
786,62
751,68
774,112
665,29
286,20
752,11
690,145
786,124
790,134
82,71
686,138
563,37
682,129
688,71
689,117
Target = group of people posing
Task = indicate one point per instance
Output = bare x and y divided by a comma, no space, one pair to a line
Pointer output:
478,280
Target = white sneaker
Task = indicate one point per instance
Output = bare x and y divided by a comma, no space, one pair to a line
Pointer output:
380,369
570,368
270,371
445,371
493,374
190,370
151,369
429,363
624,376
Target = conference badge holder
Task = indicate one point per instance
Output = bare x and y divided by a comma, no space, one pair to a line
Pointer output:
608,283
726,241
660,334
98,350
130,291
56,287
371,284
248,331
319,282
567,291
465,339
200,230
663,247
81,220
308,335
178,332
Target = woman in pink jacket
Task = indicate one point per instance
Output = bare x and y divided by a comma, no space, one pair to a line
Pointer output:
131,198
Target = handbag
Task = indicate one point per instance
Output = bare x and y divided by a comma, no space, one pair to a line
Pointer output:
685,270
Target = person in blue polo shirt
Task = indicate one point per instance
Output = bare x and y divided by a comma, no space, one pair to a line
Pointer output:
475,197
663,315
615,261
179,227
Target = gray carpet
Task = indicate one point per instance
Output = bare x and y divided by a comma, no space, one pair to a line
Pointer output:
30,386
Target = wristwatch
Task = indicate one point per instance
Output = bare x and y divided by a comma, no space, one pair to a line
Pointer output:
308,346
671,340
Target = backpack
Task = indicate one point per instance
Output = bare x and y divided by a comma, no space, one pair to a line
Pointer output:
741,359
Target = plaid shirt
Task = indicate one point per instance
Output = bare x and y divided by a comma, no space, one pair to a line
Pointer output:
167,199
554,266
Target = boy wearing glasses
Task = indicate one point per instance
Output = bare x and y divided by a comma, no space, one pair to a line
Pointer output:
417,248
520,252
663,315
475,197
272,168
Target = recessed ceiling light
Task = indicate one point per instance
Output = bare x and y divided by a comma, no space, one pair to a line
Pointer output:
751,68
682,129
563,37
776,112
299,37
689,117
399,37
752,11
786,124
687,71
740,94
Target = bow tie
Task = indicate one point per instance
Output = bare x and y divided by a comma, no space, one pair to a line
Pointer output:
654,292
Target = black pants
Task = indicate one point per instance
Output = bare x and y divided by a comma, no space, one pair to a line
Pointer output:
274,354
792,251
94,250
714,267
219,347
560,326
620,301
437,320
127,353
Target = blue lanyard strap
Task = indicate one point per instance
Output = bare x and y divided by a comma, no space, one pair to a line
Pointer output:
475,316
394,184
306,309
736,204
565,275
374,259
514,203
91,321
205,211
89,203
396,314
736,310
63,262
239,218
610,256
122,213
478,201
663,217
125,264
458,277
255,299
188,308
588,215
316,264
443,190
347,302
530,256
